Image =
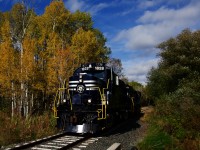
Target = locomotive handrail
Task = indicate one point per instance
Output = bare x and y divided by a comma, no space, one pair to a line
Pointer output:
55,101
103,100
54,106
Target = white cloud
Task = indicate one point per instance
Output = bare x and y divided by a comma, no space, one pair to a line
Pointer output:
136,69
188,13
74,5
146,4
145,36
157,26
96,8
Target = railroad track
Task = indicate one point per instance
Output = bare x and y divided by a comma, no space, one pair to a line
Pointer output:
57,142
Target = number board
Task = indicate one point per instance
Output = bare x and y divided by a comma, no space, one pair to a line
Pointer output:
93,66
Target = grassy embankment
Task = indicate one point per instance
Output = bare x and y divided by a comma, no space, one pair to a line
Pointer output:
173,125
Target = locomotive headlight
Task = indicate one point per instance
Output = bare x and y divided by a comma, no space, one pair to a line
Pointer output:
89,100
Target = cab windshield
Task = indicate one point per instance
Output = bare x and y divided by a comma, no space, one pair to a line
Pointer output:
98,74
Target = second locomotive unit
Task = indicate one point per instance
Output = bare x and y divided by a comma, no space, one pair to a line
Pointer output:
95,99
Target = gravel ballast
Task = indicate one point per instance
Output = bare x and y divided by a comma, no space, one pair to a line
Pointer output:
129,134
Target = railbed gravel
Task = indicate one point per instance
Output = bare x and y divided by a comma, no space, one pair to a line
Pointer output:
129,134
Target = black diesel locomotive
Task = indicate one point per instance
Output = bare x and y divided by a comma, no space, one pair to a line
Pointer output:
95,99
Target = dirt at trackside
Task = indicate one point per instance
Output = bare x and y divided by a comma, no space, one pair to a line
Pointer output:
146,112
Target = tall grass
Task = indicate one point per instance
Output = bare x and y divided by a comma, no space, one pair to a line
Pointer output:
18,129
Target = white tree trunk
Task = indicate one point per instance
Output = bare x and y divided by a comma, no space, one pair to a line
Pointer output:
22,109
13,100
26,103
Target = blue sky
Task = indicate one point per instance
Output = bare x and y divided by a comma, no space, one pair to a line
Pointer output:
133,28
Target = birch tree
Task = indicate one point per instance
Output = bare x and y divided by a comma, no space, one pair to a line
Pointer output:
20,18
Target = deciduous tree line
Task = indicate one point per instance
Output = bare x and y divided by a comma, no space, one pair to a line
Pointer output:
38,53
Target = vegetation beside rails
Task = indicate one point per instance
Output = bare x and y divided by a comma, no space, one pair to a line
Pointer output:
172,127
174,85
18,129
167,132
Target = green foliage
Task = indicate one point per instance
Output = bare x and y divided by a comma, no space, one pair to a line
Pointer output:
137,86
175,85
180,57
158,83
